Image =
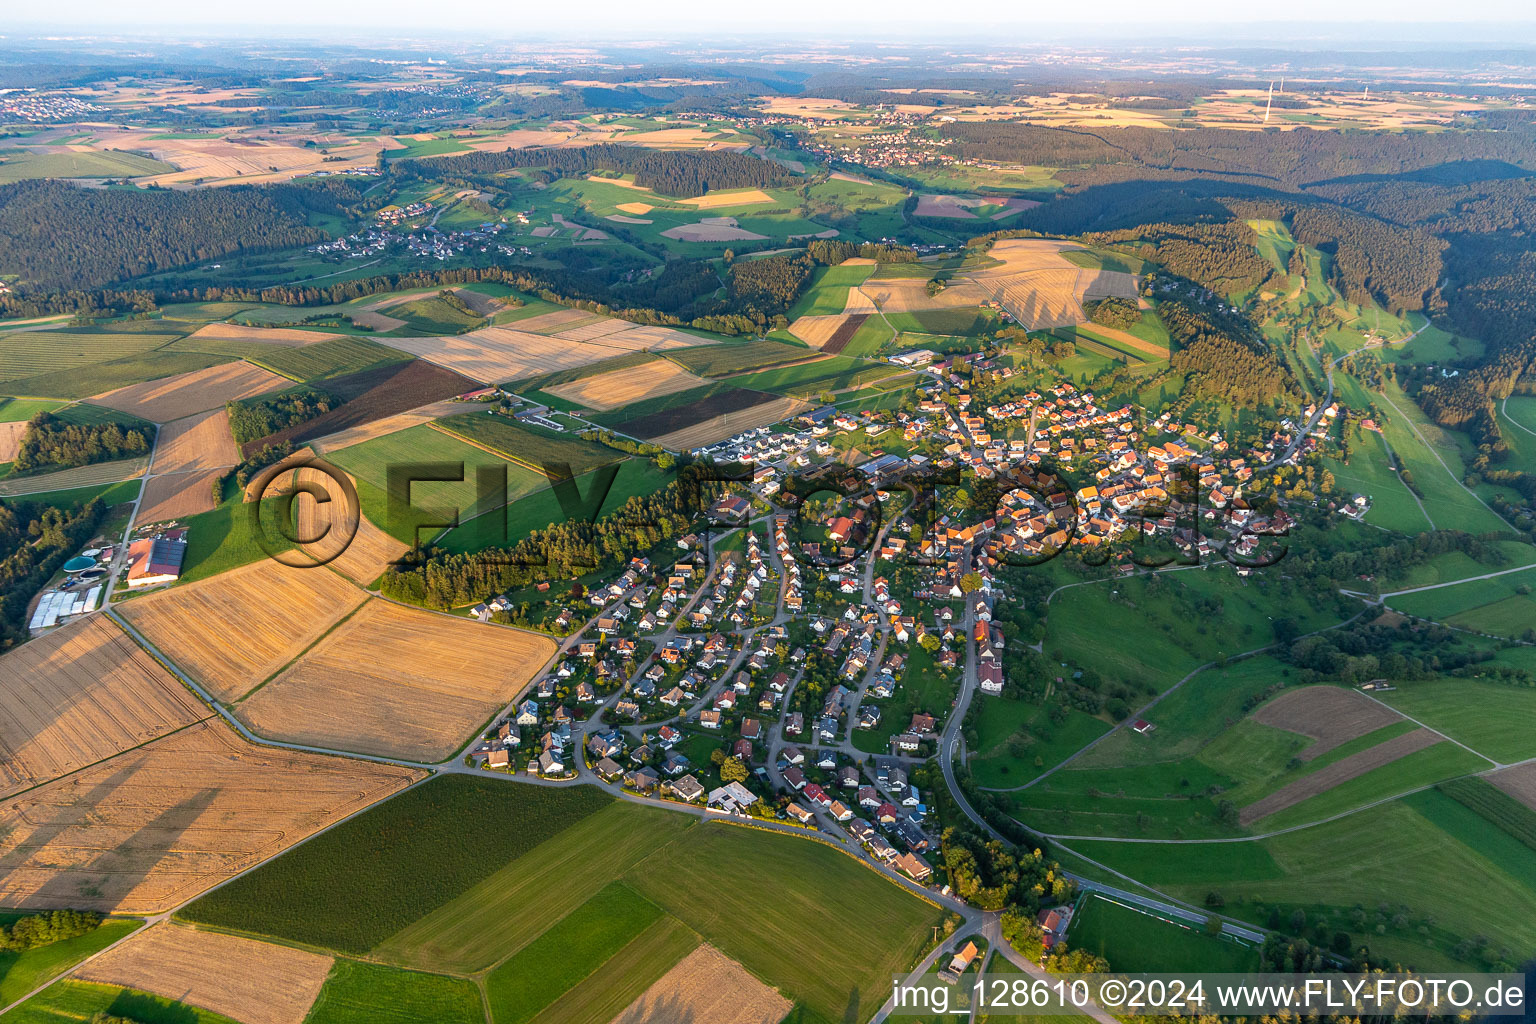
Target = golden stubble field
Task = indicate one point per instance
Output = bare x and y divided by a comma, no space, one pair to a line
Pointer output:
397,682
707,985
79,694
276,612
496,355
173,398
621,387
1042,289
154,826
249,981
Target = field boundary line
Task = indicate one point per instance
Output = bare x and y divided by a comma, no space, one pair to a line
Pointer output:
104,760
435,425
1438,458
308,647
1457,583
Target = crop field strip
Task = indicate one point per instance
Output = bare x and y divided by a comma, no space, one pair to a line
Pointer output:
254,982
727,424
396,682
337,535
1518,782
528,446
171,497
621,387
197,442
71,479
283,336
1329,715
24,353
352,888
494,355
156,825
435,500
1337,773
384,391
80,695
174,398
276,611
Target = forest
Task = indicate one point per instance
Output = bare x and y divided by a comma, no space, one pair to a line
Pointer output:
668,172
51,443
254,418
57,236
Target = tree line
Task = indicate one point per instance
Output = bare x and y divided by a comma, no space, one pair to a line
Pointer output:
35,540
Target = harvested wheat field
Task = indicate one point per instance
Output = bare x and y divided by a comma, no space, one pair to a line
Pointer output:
78,695
638,209
173,496
816,331
387,425
1519,782
496,355
621,387
595,331
285,337
1040,288
910,295
155,826
249,981
10,439
730,424
1132,342
276,612
745,197
1330,715
376,321
397,682
172,398
549,323
713,229
707,985
1338,772
858,302
345,540
195,443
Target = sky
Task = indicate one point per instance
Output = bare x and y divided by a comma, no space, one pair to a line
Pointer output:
1495,21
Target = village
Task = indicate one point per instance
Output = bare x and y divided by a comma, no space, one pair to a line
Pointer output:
769,671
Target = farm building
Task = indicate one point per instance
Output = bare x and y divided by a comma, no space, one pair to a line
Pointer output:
155,560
